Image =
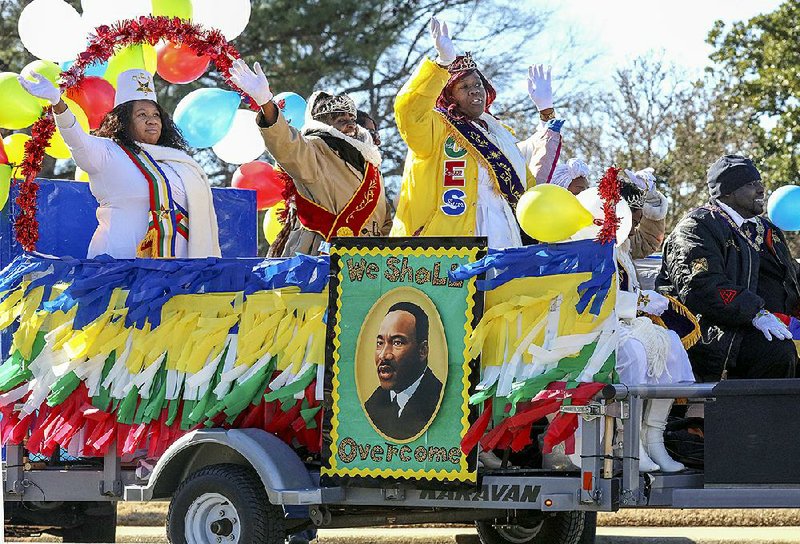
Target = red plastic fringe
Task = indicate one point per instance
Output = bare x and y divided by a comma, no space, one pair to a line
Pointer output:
515,431
49,428
477,430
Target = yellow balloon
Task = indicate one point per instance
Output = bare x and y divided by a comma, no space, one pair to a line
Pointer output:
50,70
81,175
272,226
173,8
141,56
58,148
5,183
18,109
549,213
15,147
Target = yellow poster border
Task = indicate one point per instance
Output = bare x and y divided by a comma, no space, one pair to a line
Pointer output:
463,473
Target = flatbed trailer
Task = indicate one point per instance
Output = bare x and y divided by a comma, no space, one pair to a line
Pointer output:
509,505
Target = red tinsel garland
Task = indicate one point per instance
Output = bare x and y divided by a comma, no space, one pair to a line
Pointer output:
608,189
106,40
25,224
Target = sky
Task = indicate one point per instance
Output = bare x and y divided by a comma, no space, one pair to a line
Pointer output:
621,30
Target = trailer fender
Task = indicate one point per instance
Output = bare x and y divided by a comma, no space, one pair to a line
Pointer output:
285,477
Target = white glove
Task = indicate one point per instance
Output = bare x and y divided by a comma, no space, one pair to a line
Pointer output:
652,303
644,179
771,326
441,39
540,87
41,87
252,82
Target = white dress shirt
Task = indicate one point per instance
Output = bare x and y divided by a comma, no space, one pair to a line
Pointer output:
405,395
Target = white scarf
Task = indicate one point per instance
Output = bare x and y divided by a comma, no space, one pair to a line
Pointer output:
363,144
203,230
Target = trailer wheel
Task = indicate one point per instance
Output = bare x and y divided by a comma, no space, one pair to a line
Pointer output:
551,528
589,534
223,504
99,525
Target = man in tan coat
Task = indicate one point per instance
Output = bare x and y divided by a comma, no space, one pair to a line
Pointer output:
333,183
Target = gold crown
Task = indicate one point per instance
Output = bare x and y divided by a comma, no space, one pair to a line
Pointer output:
462,64
335,104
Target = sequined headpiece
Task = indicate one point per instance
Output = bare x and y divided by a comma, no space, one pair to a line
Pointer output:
462,63
632,194
327,104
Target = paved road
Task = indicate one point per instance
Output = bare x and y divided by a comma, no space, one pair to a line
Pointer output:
606,535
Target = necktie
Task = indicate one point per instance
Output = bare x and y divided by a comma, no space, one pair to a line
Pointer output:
395,407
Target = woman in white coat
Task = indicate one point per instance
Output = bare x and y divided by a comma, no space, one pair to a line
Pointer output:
154,199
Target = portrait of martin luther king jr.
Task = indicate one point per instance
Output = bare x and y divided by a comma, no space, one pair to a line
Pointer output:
408,395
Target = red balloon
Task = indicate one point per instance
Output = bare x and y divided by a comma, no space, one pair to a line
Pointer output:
95,96
180,63
3,156
263,179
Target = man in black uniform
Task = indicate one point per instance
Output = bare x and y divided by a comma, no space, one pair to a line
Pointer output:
409,392
732,268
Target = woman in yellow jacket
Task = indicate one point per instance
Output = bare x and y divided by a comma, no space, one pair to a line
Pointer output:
465,171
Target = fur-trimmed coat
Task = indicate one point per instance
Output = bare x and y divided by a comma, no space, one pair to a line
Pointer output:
321,176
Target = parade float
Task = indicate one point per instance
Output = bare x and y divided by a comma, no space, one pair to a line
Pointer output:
245,384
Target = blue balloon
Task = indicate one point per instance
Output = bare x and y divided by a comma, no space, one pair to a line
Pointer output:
783,207
94,69
205,116
293,108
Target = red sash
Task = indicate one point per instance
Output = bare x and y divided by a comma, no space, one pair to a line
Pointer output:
353,216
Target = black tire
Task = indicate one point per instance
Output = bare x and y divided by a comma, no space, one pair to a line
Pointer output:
100,525
589,534
551,528
260,521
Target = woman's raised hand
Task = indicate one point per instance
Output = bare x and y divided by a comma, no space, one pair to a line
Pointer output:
252,82
540,87
41,87
441,39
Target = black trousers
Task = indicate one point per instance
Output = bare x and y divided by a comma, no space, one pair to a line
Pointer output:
762,358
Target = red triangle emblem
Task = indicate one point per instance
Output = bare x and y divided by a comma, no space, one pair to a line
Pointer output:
727,295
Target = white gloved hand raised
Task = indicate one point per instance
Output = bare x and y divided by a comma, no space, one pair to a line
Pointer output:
771,326
252,82
653,303
540,86
644,179
41,87
441,39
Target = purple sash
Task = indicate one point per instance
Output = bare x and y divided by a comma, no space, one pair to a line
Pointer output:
500,167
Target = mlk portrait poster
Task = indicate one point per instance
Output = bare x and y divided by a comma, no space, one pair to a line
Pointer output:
399,376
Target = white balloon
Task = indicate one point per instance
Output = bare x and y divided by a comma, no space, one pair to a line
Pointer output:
52,30
231,19
590,199
103,12
243,142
